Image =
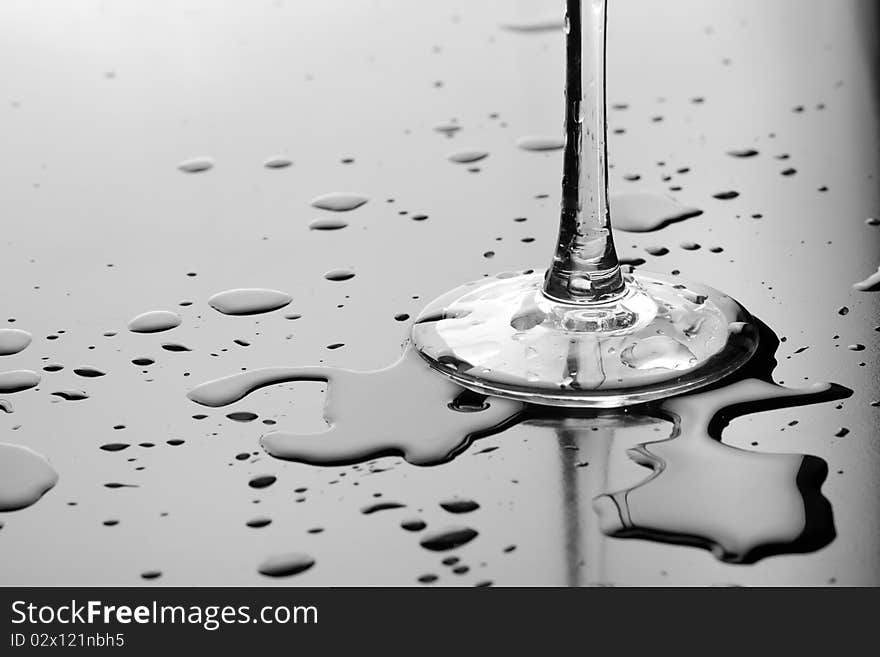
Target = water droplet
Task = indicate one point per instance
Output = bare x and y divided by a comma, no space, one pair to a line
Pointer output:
540,143
248,301
242,416
448,538
657,250
18,380
413,525
448,129
154,322
286,564
88,372
115,447
744,152
277,162
25,477
339,275
658,351
554,24
642,212
257,523
381,506
459,505
196,165
468,156
175,347
339,202
262,481
328,224
71,395
726,196
870,284
13,341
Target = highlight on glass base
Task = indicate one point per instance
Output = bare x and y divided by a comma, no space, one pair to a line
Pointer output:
659,337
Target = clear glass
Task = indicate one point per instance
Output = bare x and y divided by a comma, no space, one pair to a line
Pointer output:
584,332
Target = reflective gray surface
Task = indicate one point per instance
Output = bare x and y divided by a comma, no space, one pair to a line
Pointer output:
102,101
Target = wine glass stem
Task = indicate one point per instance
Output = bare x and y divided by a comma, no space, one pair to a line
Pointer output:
585,268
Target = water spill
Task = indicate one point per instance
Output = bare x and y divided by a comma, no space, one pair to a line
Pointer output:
25,477
448,538
870,284
540,143
196,165
339,202
643,212
402,409
468,156
459,505
18,380
328,224
71,395
248,301
286,564
741,505
13,341
339,275
154,321
277,162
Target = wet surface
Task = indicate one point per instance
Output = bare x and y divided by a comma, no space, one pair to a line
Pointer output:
164,184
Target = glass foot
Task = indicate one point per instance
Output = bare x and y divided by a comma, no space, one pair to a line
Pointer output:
661,337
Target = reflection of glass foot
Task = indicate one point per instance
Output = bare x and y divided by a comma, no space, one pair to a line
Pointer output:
661,337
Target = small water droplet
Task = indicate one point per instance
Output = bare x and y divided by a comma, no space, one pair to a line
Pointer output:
277,162
540,143
154,321
248,301
339,275
338,202
196,165
468,156
448,538
262,481
328,224
459,505
285,564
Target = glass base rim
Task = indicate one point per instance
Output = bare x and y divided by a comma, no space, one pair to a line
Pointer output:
736,351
